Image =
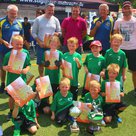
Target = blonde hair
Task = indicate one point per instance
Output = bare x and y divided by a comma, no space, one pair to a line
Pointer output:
113,67
12,7
55,39
17,38
73,40
94,83
117,36
104,5
65,81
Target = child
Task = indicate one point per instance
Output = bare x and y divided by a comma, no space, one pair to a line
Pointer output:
62,102
17,43
117,56
94,100
50,60
76,62
111,109
94,63
25,117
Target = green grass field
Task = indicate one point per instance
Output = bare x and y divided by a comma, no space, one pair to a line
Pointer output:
49,128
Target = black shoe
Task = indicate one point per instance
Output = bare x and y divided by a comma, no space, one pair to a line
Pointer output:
2,88
9,116
90,131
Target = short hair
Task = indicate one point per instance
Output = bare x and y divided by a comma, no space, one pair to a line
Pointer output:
49,5
104,5
73,40
12,7
94,83
117,36
17,38
76,6
56,39
65,81
25,18
113,67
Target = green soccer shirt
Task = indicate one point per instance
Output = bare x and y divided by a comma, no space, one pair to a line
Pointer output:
60,103
75,70
12,76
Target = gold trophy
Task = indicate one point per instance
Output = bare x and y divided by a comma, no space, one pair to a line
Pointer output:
74,112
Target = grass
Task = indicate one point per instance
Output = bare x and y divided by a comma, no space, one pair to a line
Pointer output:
49,128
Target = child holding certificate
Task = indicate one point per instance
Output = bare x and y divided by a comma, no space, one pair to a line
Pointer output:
25,117
52,62
72,62
16,63
94,65
112,92
62,102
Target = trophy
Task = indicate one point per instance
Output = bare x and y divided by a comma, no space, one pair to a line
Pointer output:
74,112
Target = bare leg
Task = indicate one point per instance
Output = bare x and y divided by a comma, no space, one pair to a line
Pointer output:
41,70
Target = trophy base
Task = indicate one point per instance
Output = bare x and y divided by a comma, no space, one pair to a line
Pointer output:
74,130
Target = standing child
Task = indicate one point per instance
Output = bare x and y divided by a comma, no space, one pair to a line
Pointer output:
94,100
17,43
112,109
117,56
25,117
75,60
94,63
62,102
52,61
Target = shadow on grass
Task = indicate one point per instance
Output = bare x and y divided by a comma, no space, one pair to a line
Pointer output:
3,96
3,119
3,106
8,131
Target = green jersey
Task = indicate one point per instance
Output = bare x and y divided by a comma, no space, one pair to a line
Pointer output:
98,101
94,64
117,58
29,110
75,70
12,76
54,74
60,103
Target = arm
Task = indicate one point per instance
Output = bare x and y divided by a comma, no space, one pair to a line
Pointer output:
25,70
36,121
78,63
124,74
53,115
86,69
15,110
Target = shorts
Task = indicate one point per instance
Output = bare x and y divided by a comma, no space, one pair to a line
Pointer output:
111,109
131,59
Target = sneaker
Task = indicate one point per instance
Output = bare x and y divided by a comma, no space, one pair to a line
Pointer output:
2,88
119,120
90,131
9,116
16,133
94,128
103,123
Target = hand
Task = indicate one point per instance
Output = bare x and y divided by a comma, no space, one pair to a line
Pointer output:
41,44
102,74
6,43
98,23
122,94
24,71
52,117
86,69
37,125
47,63
7,68
124,78
76,60
90,106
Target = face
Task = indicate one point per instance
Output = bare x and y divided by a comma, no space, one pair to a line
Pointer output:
112,75
53,44
49,11
72,47
64,89
103,11
12,15
95,49
17,44
115,44
94,91
127,11
75,12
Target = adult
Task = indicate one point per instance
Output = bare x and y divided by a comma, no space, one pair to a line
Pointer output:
44,24
127,27
74,26
102,27
8,26
27,32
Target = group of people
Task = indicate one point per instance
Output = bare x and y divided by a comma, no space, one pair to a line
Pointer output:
112,47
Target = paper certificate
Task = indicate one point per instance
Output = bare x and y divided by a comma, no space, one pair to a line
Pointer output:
13,33
16,60
113,92
67,69
90,77
20,92
45,87
47,38
52,57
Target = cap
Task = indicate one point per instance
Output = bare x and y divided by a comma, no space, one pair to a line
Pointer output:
50,4
96,43
127,3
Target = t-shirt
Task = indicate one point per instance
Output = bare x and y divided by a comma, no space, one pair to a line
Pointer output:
117,58
98,101
75,70
12,76
29,110
128,31
54,74
60,103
